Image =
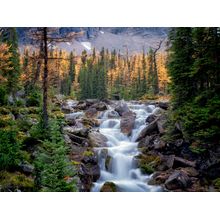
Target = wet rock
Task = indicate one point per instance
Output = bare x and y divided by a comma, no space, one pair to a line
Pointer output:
82,105
91,112
159,177
108,163
67,139
127,122
112,114
76,139
89,122
145,142
190,171
151,118
181,162
100,106
163,105
121,108
148,130
108,187
159,144
161,121
178,180
88,174
166,162
78,130
89,157
97,139
66,109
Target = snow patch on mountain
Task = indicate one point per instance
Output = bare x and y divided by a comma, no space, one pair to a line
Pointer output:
87,45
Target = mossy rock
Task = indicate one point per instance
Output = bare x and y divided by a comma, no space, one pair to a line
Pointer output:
57,115
216,184
15,181
88,153
149,163
75,163
108,187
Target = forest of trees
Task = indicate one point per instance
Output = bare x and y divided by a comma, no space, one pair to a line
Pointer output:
189,73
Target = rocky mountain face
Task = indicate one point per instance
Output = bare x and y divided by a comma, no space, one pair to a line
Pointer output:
123,39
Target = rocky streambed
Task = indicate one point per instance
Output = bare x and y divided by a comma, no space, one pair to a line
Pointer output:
119,146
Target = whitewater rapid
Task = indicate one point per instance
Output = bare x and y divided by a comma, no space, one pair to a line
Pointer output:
122,167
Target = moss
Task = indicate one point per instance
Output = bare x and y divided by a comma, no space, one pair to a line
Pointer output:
75,162
147,168
15,181
196,148
148,163
28,110
6,120
88,153
57,115
108,187
216,183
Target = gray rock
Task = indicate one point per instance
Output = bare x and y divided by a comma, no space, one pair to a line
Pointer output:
121,108
150,118
91,112
100,106
97,139
148,130
127,122
27,168
178,180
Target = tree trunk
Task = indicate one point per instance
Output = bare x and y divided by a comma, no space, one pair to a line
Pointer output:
45,79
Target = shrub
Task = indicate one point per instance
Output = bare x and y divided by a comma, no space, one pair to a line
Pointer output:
10,155
3,97
52,165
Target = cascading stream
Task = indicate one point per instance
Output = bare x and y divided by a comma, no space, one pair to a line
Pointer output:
122,169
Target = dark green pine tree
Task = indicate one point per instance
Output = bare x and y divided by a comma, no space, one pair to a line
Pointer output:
180,65
9,36
52,165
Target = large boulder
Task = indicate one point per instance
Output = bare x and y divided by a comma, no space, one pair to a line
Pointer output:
67,109
88,174
148,130
100,106
166,162
163,105
178,180
127,122
159,177
91,112
97,139
78,130
150,118
121,108
108,187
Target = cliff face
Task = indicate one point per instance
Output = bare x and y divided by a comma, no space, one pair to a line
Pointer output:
123,39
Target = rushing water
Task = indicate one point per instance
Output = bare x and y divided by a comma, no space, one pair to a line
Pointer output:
122,150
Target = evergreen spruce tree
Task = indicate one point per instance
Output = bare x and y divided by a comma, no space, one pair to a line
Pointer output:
52,164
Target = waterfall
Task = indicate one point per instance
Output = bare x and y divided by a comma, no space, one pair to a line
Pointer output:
122,169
